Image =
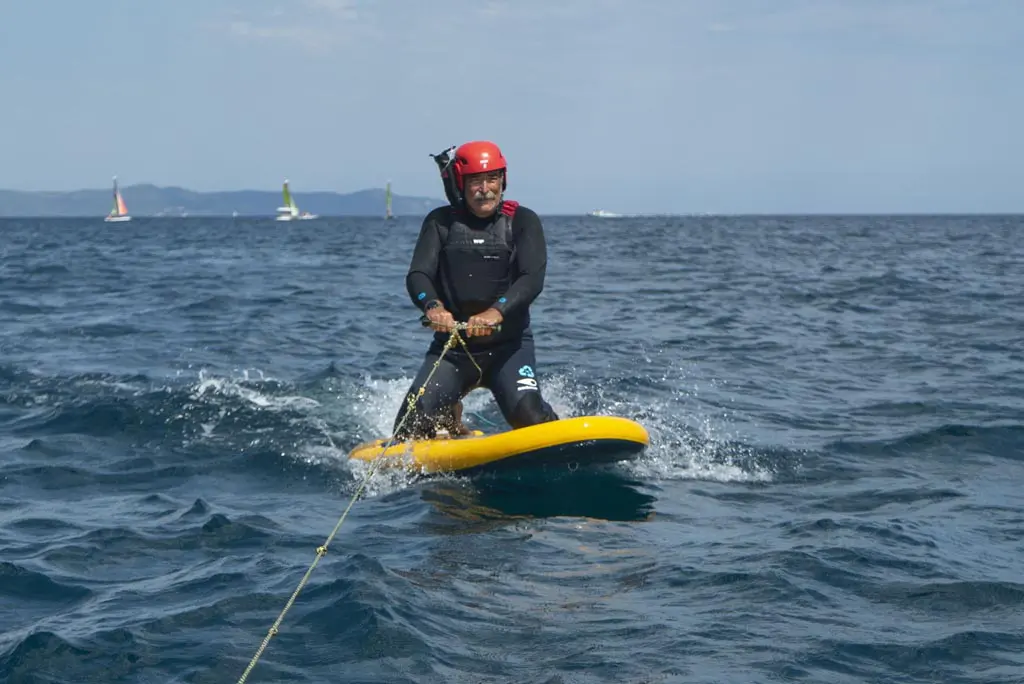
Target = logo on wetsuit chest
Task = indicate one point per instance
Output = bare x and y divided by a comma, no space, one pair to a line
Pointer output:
487,257
526,382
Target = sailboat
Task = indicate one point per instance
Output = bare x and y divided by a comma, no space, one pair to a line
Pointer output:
289,211
387,211
119,212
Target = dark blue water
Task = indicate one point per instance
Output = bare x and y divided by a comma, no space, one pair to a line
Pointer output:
833,493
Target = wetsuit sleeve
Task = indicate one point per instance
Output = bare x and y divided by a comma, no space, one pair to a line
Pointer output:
532,258
423,270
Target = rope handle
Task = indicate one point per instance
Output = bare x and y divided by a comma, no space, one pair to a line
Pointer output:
425,322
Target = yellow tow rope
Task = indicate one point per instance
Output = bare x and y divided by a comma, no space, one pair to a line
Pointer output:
321,551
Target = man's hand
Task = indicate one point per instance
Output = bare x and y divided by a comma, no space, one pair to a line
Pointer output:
483,323
440,319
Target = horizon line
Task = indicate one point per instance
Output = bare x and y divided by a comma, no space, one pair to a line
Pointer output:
182,187
700,215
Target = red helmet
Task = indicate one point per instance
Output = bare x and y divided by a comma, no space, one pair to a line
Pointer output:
479,156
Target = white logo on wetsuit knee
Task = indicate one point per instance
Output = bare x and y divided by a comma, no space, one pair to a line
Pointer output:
523,384
526,382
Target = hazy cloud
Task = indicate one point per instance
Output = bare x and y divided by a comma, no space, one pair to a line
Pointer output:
316,26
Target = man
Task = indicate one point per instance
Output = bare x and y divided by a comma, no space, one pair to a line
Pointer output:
479,260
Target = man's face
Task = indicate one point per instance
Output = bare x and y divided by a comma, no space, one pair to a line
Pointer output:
483,192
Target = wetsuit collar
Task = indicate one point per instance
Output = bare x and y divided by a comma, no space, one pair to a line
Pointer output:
474,221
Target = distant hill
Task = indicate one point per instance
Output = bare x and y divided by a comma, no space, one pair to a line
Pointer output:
150,200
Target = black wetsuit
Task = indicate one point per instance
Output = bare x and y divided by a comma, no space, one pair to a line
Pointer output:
471,264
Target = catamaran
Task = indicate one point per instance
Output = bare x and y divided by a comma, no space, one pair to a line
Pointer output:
119,212
387,210
289,211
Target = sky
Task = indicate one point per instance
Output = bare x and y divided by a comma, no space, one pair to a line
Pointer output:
631,106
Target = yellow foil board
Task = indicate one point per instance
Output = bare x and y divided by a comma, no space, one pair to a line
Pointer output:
582,441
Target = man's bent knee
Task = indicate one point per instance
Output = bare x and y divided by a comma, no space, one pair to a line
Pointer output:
532,410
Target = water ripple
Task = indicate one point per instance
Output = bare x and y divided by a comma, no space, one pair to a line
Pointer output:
830,495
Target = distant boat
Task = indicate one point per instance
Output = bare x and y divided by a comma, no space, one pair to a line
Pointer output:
601,213
119,212
387,198
289,211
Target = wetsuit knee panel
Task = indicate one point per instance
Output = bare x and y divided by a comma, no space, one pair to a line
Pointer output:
532,410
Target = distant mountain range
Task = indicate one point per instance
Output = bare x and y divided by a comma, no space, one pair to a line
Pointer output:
150,200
